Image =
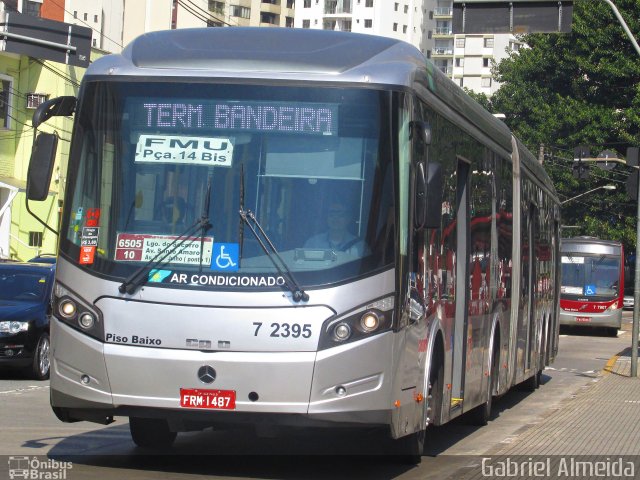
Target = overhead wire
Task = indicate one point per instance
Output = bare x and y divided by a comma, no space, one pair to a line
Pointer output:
206,12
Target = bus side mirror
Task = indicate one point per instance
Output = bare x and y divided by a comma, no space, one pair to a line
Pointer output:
59,106
433,215
43,157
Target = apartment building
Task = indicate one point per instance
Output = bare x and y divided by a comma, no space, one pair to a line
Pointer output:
408,20
427,24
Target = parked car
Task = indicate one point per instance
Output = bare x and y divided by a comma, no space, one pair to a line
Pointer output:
44,258
628,301
25,311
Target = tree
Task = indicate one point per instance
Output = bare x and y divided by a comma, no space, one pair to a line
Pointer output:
566,90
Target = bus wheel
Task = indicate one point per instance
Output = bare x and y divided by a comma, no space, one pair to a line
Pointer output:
532,383
151,432
480,415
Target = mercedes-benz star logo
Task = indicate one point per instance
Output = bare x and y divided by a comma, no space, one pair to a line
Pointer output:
206,374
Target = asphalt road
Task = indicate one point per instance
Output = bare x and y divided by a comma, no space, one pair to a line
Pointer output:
29,428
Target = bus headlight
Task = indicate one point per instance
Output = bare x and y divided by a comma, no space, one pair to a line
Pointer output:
370,321
77,313
342,332
67,308
363,321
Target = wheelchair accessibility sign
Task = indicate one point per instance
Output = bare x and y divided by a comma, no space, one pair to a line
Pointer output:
589,289
224,257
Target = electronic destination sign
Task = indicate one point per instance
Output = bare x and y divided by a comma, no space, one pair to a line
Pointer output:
277,117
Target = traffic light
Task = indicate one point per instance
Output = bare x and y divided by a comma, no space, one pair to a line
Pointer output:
580,170
632,185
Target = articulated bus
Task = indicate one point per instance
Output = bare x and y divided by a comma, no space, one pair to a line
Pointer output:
592,290
193,289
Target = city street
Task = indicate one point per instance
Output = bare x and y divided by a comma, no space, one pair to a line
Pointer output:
106,452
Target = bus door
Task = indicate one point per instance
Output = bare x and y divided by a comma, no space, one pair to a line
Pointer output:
462,279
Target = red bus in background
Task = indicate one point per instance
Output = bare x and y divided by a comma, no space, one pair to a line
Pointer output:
592,288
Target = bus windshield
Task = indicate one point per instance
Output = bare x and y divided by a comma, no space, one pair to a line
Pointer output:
310,163
594,277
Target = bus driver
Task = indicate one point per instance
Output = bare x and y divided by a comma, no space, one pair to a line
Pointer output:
337,237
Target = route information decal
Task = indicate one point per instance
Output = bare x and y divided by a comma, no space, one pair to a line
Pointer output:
133,247
184,149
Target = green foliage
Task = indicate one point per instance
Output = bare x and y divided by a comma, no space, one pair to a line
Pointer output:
581,88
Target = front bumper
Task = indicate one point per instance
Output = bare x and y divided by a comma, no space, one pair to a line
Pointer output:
607,319
95,381
17,350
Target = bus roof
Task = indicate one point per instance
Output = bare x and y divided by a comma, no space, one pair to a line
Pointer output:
292,55
252,52
591,245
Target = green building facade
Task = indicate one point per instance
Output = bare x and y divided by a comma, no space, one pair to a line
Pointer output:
26,82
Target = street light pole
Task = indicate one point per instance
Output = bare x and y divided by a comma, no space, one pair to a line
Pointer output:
604,187
636,286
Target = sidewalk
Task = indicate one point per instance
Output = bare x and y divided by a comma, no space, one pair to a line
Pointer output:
599,425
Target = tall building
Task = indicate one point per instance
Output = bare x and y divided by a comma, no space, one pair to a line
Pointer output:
104,17
150,15
427,24
408,20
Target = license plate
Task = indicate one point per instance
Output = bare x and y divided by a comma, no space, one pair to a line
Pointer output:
216,399
583,319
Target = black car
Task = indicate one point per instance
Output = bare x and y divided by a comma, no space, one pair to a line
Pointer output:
25,309
44,258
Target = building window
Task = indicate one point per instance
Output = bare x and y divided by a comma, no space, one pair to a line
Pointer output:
288,22
428,53
32,8
35,239
75,14
216,7
395,27
242,12
94,42
488,42
404,29
307,4
395,6
485,82
368,23
291,3
460,42
460,62
267,17
406,9
485,62
86,16
95,19
35,99
368,3
5,101
213,23
306,23
461,82
429,34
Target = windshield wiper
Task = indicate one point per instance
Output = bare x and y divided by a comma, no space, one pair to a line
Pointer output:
250,219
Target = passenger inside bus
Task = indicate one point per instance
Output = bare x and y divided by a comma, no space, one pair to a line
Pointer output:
337,237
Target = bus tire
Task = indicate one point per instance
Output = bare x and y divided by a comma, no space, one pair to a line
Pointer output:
480,415
532,383
151,432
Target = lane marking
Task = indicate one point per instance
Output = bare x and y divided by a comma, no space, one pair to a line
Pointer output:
18,391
